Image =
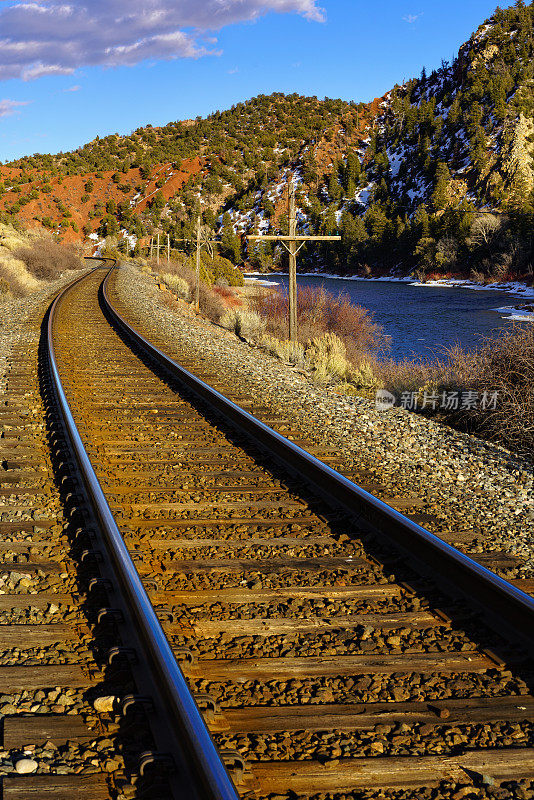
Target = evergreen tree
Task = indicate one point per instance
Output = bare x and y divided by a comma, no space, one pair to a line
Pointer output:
334,187
230,242
439,195
157,202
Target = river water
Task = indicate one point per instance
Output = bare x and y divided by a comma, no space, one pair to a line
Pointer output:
421,320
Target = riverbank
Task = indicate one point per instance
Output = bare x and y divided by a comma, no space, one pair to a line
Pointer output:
514,287
465,483
512,312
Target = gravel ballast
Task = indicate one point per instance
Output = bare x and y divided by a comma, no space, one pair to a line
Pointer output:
14,316
466,483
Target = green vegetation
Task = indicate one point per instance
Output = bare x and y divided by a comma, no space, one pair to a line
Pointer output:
461,140
436,177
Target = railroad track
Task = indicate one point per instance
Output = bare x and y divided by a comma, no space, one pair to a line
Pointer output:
325,663
60,696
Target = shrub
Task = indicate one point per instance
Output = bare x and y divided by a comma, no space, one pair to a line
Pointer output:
223,270
327,356
211,304
504,365
321,312
246,324
363,376
47,259
229,321
292,353
14,274
406,375
177,284
228,296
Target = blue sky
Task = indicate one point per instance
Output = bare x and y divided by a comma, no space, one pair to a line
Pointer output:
114,65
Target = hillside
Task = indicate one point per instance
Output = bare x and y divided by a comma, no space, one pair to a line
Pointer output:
435,176
150,180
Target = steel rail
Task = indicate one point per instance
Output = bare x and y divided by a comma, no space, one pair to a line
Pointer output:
507,608
212,779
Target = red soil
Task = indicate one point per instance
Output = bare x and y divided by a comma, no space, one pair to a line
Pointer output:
69,190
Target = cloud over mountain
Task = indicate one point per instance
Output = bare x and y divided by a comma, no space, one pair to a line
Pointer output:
46,37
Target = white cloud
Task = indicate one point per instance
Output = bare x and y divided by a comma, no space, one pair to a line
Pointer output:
411,18
10,107
233,71
56,37
73,88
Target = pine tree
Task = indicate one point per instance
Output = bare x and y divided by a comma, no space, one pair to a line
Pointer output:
422,221
157,202
334,187
439,195
230,242
353,169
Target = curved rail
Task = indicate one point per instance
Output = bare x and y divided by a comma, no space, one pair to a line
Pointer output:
213,781
511,608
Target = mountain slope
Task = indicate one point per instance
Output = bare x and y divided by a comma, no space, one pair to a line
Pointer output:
435,176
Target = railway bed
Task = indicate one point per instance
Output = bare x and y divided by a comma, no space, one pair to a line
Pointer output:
325,660
62,729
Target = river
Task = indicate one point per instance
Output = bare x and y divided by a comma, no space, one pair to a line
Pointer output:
421,320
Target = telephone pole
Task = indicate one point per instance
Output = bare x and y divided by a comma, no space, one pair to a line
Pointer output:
290,243
197,287
292,250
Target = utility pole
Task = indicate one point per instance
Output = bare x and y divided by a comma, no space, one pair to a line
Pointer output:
290,243
292,250
202,240
168,249
197,287
157,256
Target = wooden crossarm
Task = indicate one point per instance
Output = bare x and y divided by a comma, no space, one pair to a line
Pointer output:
295,238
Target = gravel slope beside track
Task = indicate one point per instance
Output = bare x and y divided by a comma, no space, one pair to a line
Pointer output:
473,493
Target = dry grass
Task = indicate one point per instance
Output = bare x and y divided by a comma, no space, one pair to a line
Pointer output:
327,357
284,350
228,296
337,341
246,324
324,357
27,257
13,273
211,304
504,365
177,284
46,259
4,287
320,312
